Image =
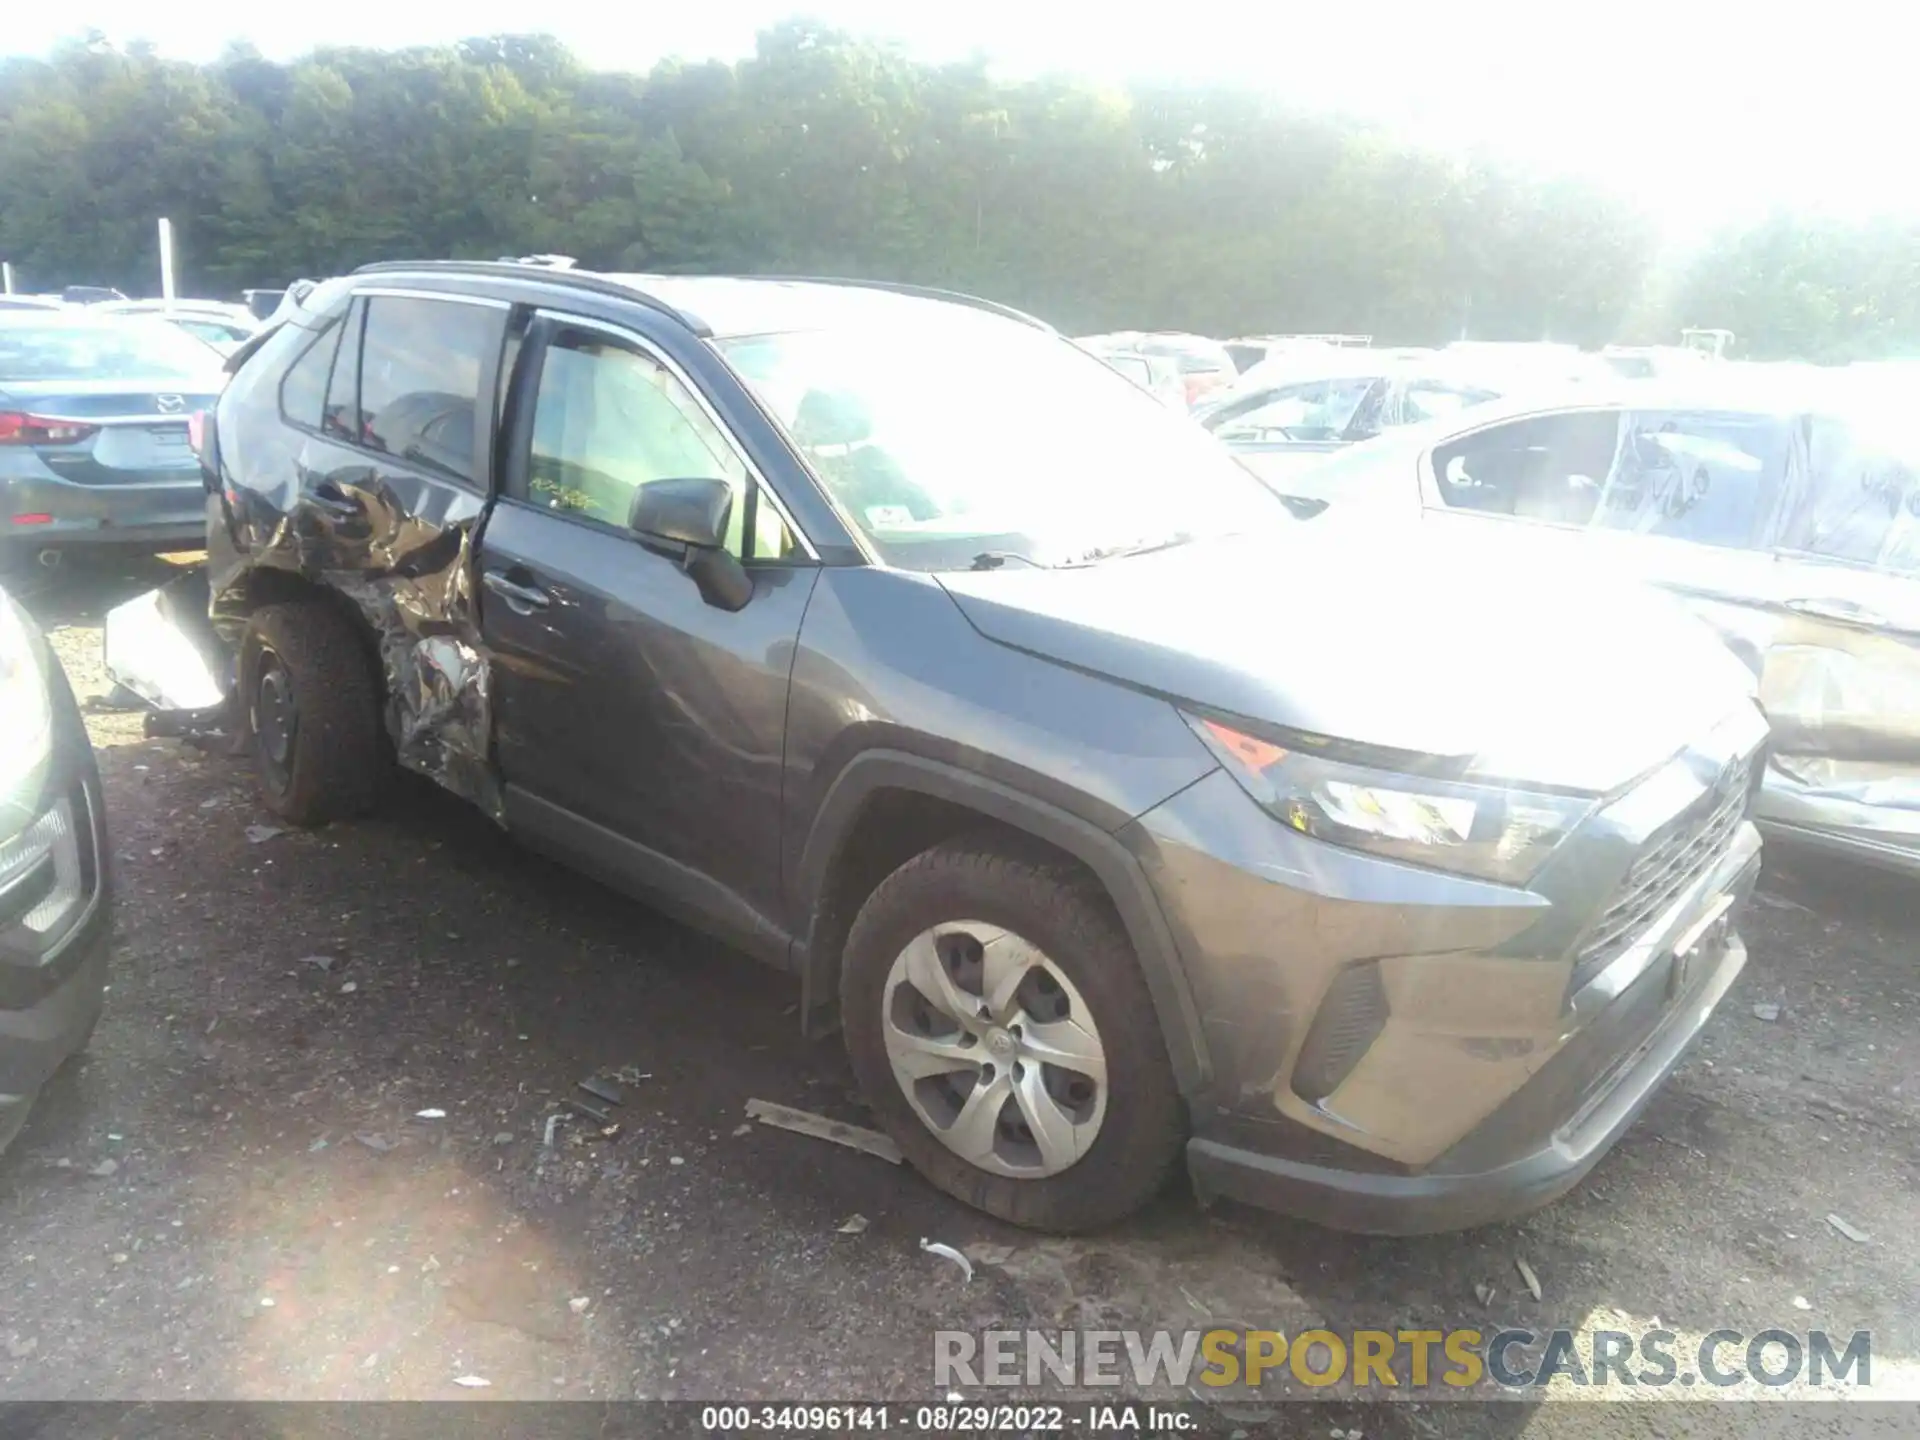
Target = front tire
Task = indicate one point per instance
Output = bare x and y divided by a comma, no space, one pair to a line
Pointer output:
311,713
998,1022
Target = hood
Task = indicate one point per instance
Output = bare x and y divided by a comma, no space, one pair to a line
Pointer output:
1389,640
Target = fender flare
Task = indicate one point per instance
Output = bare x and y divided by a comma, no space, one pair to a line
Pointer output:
1118,872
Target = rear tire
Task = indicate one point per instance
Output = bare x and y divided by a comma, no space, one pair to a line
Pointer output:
310,712
1129,1124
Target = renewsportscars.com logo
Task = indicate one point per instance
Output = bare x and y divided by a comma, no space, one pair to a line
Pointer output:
1386,1360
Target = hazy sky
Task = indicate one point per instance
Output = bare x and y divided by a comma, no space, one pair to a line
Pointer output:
1706,110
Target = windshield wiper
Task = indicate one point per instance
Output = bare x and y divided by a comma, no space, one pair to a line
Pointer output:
1120,552
994,559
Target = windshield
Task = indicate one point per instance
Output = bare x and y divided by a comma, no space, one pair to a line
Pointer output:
968,439
124,350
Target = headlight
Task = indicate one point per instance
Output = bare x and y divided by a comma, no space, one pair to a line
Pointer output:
1470,828
26,714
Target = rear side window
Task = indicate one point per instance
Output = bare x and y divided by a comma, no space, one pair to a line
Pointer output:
342,415
303,389
1545,467
420,368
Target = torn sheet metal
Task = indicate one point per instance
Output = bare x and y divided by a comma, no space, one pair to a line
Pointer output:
163,648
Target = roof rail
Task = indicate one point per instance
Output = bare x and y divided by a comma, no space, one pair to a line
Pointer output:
925,292
545,274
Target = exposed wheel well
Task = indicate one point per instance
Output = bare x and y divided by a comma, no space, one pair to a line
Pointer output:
281,587
894,826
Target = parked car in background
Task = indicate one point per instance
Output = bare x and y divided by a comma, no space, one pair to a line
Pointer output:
1795,532
90,294
55,900
224,327
1287,413
261,303
1247,351
30,302
1204,364
878,632
1156,374
93,432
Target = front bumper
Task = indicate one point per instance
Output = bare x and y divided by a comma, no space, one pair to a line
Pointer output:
1397,1050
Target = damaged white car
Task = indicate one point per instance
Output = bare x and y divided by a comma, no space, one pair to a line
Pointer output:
1792,528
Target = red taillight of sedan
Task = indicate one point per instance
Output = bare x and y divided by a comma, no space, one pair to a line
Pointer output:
18,429
1202,383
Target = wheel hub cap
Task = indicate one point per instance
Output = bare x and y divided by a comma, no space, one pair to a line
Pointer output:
995,1049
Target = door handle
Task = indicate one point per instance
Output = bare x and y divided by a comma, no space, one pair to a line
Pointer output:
522,599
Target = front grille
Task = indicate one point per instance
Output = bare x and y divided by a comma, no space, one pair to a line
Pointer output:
1676,857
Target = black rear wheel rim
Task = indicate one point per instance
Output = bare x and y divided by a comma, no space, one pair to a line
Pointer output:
276,718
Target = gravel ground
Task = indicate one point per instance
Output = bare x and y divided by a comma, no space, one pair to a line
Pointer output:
232,1195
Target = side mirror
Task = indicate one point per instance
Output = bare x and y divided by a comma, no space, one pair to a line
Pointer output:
688,518
683,512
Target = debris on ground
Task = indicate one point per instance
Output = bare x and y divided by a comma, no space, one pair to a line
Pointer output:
852,1225
260,834
743,1130
589,1109
805,1122
1859,1237
603,1089
1800,1302
323,963
947,1252
434,1114
1526,1274
1484,1292
472,1382
553,1123
989,1254
503,1137
1766,1010
579,1303
349,988
378,1143
107,1167
505,1292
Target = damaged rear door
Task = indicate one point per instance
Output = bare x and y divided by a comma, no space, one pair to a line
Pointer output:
640,728
391,475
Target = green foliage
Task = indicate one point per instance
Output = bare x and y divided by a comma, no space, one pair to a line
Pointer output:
1208,209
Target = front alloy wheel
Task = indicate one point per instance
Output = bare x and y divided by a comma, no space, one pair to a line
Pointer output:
995,1049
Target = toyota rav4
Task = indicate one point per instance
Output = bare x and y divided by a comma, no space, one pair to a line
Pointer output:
1118,816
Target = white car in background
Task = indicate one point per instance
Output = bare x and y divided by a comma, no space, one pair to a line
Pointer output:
1155,374
224,327
1788,522
1287,414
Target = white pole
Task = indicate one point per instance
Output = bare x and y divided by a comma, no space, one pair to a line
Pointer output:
166,261
6,275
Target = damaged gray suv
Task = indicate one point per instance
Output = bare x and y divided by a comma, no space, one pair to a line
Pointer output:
1117,815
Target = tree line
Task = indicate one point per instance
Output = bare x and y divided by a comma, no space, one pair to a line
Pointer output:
1210,209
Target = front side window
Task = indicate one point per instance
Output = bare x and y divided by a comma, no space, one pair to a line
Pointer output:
1545,467
962,438
1709,478
420,368
609,420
